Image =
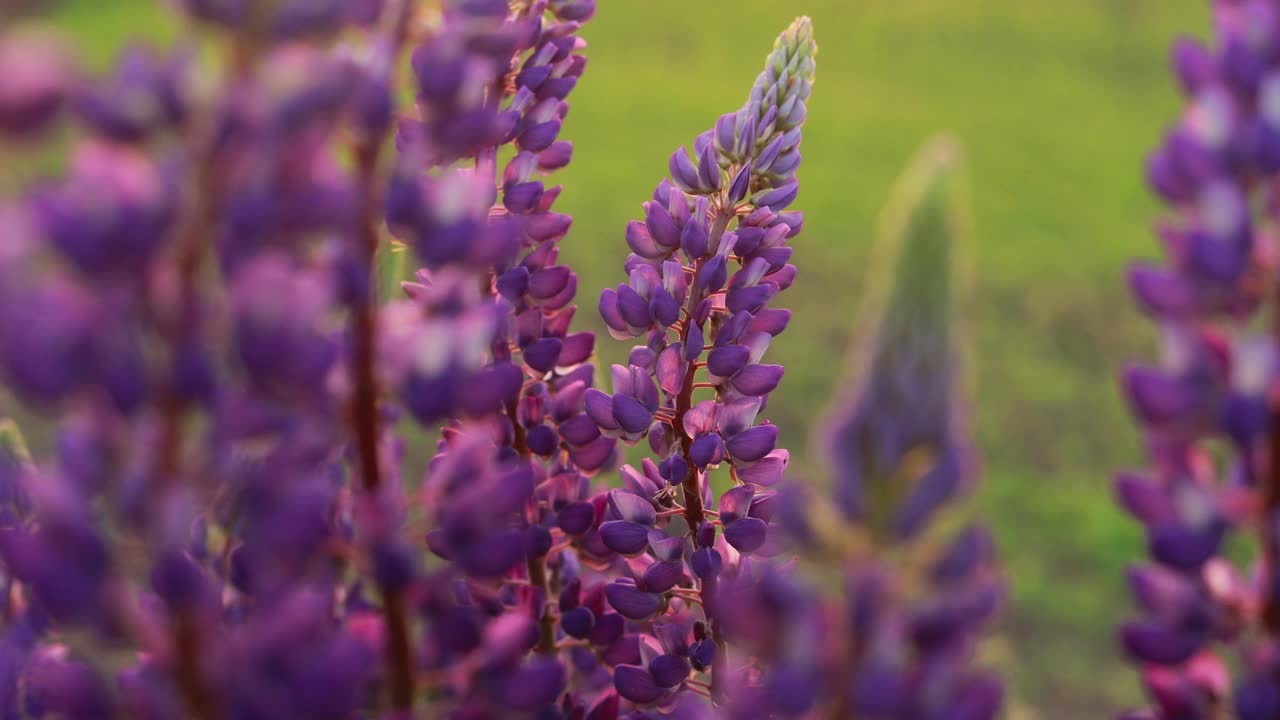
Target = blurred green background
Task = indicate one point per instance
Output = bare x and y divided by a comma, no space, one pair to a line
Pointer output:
1055,104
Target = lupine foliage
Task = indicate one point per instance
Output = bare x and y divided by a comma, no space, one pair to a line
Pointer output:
223,527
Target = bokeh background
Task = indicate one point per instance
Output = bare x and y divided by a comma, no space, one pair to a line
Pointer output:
1055,103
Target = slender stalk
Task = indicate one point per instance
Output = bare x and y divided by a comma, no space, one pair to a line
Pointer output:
1271,507
192,239
693,511
186,636
365,421
364,404
537,566
546,624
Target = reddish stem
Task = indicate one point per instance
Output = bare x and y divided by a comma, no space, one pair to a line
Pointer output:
365,422
1271,507
693,511
537,566
186,646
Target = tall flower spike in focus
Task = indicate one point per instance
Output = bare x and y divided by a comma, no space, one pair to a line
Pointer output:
1207,639
707,261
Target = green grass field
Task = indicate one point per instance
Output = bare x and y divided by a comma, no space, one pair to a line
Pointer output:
1055,104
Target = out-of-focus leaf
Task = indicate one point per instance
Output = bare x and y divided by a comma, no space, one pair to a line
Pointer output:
389,267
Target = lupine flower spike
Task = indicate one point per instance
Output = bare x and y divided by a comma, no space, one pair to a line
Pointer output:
900,639
708,259
1207,638
222,522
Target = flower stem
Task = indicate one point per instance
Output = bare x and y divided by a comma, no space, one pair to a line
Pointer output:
693,511
1271,507
537,566
365,421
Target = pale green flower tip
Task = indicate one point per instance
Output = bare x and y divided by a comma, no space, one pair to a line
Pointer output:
13,447
796,46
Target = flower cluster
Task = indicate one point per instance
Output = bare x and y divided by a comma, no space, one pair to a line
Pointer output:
222,521
1206,409
178,305
707,260
899,640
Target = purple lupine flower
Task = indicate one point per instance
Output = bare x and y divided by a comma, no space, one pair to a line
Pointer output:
493,357
187,275
700,319
895,630
226,494
1207,632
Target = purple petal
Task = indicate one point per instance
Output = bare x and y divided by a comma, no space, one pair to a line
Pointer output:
661,576
701,418
555,157
669,671
577,348
576,518
639,483
1155,397
535,685
757,380
600,407
752,445
1145,499
580,429
641,242
707,449
737,416
630,415
684,172
735,503
609,311
494,555
663,308
727,360
634,309
670,369
636,684
661,226
632,602
750,299
746,535
709,169
706,562
578,622
1161,292
667,548
632,508
1159,644
694,240
768,471
592,457
1183,547
625,538
541,355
